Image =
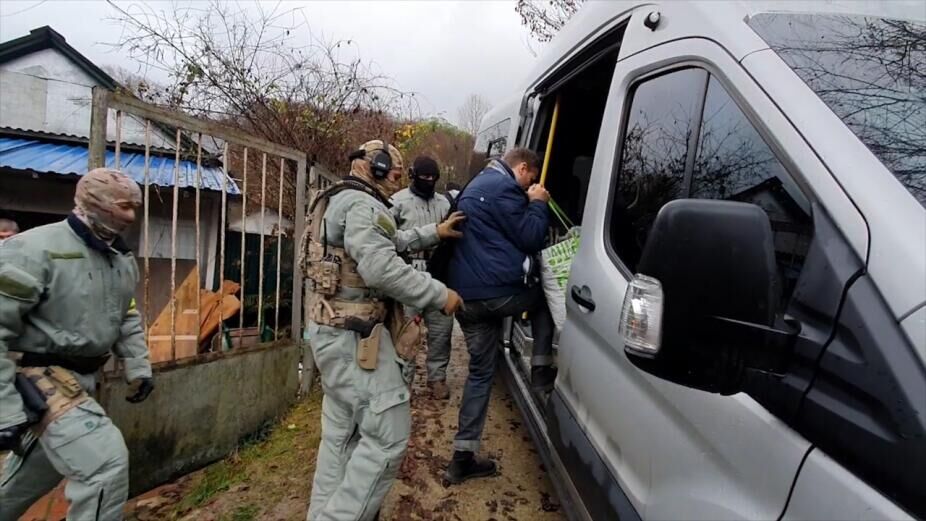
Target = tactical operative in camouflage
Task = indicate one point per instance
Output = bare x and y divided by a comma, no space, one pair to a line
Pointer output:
414,207
66,303
356,273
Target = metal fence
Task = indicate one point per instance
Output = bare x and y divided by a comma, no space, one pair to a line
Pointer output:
190,134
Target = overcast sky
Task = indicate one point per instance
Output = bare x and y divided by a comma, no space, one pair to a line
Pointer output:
442,50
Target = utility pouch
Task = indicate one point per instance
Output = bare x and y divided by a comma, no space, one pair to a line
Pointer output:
410,338
32,397
368,348
327,277
66,383
407,333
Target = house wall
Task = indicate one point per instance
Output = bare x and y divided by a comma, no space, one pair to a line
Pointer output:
45,91
42,194
252,220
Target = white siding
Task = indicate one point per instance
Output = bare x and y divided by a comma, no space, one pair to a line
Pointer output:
252,220
45,91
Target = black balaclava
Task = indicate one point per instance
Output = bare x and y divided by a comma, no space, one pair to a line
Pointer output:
423,167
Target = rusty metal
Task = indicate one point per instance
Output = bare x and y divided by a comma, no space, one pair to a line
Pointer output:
199,248
225,160
222,221
127,106
299,222
173,254
260,262
276,306
147,239
118,139
244,216
118,365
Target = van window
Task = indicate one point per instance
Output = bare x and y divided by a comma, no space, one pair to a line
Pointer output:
497,147
686,138
491,134
661,122
734,163
871,72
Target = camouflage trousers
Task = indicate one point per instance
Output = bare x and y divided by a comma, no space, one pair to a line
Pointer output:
366,422
83,446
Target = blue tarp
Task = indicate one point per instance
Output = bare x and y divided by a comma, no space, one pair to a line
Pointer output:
65,159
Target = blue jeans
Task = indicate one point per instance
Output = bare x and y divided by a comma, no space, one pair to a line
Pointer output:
481,322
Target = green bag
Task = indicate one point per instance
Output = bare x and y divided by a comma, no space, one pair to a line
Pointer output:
556,263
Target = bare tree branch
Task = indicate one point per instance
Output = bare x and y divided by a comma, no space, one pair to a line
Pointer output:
544,18
471,113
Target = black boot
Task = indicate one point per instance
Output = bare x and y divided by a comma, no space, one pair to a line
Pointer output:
465,466
542,378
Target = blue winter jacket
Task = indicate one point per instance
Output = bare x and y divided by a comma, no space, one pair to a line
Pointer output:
501,230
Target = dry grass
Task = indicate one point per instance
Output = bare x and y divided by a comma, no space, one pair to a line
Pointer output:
268,477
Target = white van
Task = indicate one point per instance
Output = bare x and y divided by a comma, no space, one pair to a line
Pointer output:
746,315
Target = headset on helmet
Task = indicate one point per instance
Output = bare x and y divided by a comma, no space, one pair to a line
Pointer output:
380,163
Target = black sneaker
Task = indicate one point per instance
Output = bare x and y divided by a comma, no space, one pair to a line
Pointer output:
465,466
542,378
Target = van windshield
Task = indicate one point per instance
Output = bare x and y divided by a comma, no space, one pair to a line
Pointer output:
871,72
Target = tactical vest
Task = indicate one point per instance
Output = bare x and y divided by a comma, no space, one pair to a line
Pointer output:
330,268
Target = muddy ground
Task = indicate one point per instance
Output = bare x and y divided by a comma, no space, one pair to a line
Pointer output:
521,491
270,478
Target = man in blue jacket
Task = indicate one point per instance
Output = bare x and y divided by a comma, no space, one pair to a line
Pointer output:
506,225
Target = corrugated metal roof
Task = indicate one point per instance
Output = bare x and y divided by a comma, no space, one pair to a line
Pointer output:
64,159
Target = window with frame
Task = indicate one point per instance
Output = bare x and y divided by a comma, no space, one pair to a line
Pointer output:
497,147
685,137
661,123
491,134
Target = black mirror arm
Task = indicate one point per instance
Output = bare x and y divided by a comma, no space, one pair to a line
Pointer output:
764,348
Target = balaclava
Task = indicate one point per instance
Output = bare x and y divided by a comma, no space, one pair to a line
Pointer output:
361,167
423,167
99,193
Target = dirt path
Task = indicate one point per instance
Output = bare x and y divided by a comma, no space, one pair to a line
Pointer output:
521,491
270,478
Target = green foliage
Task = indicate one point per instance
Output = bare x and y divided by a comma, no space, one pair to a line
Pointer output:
243,513
254,477
216,479
447,144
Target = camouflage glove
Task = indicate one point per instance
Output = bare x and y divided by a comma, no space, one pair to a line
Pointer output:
139,390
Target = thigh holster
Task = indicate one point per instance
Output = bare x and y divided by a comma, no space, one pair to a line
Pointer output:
60,390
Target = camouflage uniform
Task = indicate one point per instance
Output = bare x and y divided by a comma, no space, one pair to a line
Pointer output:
410,212
366,417
65,293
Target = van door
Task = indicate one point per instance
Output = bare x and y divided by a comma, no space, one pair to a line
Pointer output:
681,121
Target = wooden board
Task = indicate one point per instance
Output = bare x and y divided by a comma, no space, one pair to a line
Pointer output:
186,328
217,307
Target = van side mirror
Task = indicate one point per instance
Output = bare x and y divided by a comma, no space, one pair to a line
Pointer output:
702,310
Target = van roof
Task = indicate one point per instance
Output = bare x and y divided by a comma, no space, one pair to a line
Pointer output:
594,17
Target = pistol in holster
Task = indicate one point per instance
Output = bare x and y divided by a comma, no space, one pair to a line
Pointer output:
33,399
368,348
47,393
